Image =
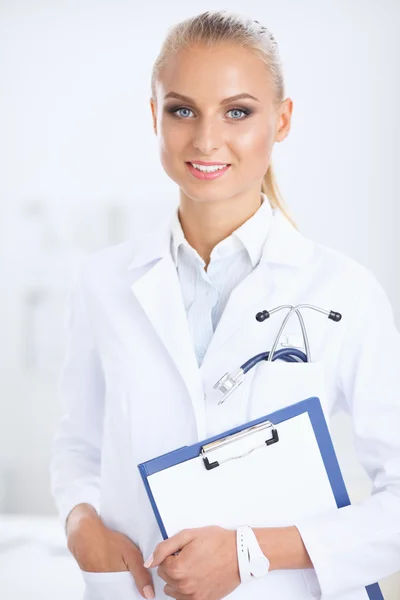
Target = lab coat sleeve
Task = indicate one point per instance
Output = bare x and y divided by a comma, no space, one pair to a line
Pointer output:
358,545
76,448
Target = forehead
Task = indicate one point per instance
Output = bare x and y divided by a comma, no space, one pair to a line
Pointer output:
209,74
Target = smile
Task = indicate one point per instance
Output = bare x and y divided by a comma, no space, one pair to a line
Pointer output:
207,172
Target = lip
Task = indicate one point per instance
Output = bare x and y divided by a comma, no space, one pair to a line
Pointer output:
207,164
206,176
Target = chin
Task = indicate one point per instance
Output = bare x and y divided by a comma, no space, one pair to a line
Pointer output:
202,195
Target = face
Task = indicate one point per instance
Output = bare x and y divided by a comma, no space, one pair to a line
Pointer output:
196,121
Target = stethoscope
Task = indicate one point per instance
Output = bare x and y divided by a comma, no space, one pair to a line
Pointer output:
229,383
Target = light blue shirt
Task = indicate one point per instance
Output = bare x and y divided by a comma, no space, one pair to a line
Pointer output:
205,293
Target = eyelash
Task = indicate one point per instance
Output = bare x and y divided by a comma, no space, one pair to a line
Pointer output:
173,110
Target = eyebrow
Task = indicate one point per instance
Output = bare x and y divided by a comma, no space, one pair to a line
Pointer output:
225,101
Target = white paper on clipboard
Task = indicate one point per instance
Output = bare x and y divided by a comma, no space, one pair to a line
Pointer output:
270,486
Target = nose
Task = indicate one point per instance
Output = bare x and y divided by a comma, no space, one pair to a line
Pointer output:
207,137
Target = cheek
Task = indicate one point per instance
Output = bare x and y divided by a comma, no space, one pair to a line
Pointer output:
253,148
171,134
255,140
171,149
172,142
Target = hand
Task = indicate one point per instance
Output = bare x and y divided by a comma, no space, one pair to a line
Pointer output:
98,549
206,567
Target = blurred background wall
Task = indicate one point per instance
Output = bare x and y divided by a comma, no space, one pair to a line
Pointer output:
80,171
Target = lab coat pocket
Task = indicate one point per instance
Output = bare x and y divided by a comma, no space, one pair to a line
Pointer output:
278,384
110,586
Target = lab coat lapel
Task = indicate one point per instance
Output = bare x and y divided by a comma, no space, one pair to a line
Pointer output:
238,334
159,293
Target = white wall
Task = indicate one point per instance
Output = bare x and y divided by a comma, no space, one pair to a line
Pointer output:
80,170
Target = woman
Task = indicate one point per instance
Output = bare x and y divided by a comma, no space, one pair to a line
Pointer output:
156,322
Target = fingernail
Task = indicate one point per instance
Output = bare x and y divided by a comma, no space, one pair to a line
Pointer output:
148,592
148,562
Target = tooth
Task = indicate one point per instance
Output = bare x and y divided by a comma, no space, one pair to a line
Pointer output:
205,169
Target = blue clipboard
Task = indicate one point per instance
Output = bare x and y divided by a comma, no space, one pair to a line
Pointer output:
313,407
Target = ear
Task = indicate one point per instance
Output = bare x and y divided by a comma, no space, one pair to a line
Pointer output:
284,120
154,114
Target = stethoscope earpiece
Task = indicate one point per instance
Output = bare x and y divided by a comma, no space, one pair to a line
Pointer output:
334,316
262,316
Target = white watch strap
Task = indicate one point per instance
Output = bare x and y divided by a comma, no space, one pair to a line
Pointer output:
259,563
243,554
251,559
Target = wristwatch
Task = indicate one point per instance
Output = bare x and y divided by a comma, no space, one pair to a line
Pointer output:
251,559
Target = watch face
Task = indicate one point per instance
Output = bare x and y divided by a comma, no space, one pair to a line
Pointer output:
259,567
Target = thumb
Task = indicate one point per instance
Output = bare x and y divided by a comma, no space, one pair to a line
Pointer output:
142,577
170,546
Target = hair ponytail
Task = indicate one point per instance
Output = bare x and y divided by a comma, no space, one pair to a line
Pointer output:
271,189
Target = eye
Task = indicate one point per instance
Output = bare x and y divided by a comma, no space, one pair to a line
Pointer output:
245,111
174,111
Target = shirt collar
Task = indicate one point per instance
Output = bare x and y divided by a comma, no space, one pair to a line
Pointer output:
251,236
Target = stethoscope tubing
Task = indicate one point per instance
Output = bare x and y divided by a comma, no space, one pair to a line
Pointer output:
286,354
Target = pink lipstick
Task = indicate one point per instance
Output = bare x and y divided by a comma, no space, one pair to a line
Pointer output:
207,175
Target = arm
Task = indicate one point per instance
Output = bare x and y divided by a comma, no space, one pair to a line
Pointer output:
284,547
357,545
76,451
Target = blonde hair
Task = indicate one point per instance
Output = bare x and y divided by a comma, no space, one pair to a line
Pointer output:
214,27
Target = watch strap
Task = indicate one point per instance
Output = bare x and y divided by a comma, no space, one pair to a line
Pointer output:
259,563
251,559
243,554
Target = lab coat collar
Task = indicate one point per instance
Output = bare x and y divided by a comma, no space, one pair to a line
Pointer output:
250,236
284,244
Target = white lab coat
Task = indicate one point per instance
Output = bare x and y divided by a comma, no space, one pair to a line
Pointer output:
132,390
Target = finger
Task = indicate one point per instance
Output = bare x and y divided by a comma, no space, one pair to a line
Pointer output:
162,572
143,578
169,546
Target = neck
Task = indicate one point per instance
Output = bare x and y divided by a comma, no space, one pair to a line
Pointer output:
205,224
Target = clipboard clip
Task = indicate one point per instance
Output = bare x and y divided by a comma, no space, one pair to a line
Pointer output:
246,441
